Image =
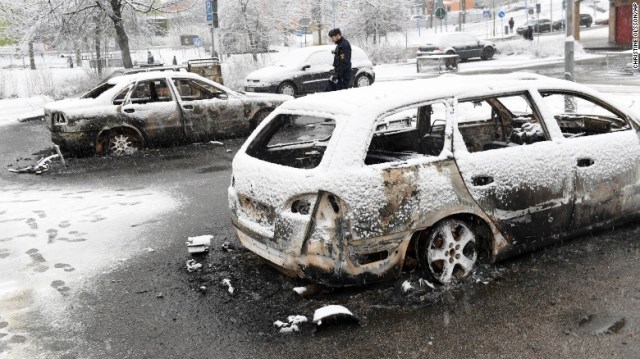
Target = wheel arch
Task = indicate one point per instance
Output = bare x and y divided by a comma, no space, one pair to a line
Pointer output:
252,121
491,240
99,145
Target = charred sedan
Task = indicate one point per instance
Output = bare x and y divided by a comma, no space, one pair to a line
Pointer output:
154,108
449,171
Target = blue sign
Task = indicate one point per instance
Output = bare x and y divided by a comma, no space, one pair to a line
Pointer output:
197,41
501,14
486,13
209,10
299,33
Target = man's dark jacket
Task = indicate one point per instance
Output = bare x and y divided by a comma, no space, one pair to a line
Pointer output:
342,59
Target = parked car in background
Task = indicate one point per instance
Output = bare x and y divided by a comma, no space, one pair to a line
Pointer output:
538,25
464,45
448,172
154,108
585,20
307,70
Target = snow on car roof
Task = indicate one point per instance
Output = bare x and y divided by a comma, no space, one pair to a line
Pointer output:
381,96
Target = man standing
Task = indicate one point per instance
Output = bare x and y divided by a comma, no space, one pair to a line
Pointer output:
511,23
149,58
341,62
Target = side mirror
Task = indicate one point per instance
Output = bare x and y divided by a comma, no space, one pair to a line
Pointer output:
305,67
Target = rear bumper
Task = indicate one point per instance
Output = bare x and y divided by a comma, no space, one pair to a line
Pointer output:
338,271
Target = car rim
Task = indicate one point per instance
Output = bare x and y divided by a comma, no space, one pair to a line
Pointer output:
288,90
451,251
120,145
363,81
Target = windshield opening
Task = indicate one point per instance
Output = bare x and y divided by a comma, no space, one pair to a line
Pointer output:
97,91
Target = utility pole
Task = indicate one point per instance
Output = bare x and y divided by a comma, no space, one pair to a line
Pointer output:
569,43
493,15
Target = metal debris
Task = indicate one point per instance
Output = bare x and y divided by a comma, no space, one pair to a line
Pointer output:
199,244
227,282
193,266
216,143
423,282
40,166
333,312
292,323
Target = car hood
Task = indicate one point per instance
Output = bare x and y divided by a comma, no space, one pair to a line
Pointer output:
271,73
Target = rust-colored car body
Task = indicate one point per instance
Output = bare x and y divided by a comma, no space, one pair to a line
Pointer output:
176,107
341,211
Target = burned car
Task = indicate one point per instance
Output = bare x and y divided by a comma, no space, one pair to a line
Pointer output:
154,108
447,171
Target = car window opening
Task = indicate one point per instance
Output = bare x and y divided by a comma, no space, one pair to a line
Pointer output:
579,116
415,132
499,122
293,140
97,91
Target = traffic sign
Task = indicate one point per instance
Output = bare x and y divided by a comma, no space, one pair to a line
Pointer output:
299,33
501,14
305,21
441,13
209,10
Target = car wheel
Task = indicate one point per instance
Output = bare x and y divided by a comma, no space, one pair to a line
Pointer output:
363,80
122,143
487,53
588,24
448,251
287,88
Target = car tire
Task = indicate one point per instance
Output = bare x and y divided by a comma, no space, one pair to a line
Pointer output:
122,143
363,80
448,251
487,53
287,88
588,24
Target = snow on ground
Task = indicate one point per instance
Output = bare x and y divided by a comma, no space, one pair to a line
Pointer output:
53,240
21,108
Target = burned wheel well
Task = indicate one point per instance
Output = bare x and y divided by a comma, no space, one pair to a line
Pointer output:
477,224
258,117
103,137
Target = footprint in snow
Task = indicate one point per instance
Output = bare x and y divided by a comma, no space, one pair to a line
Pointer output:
64,266
37,261
60,287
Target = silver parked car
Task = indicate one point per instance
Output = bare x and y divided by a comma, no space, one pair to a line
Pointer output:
154,108
448,171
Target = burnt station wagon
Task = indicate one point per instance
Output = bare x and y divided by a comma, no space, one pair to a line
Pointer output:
448,171
154,108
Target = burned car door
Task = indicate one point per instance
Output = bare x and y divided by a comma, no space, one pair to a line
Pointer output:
208,110
521,179
605,154
153,109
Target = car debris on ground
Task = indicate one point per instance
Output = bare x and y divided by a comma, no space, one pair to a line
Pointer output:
42,165
333,313
199,244
193,266
292,325
227,283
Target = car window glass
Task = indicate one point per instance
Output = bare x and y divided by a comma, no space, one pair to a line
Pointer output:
190,90
293,140
579,116
151,91
320,59
498,122
409,133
